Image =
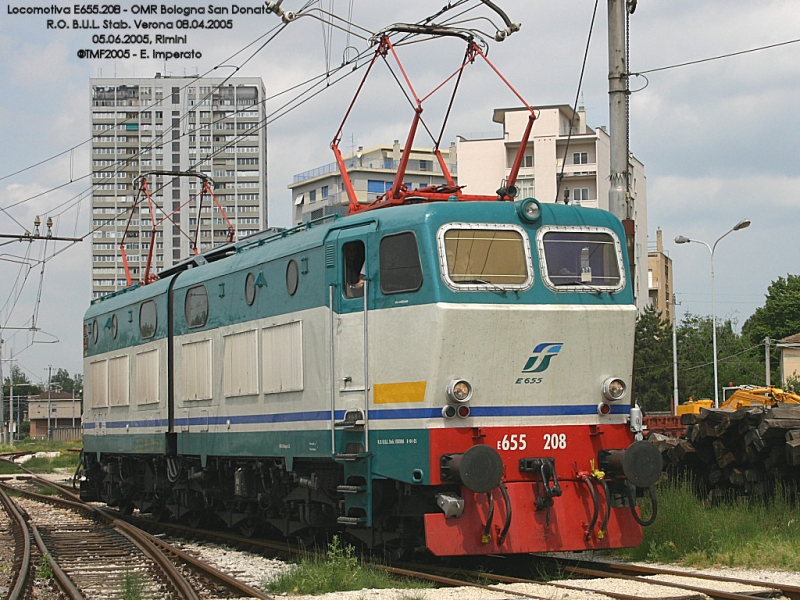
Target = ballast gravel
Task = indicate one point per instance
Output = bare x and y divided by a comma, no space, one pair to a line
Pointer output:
255,570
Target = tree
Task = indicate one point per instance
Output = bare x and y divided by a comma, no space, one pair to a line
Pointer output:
735,360
67,384
652,361
22,384
17,376
777,319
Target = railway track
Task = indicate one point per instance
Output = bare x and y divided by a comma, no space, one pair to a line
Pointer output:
94,555
647,582
617,580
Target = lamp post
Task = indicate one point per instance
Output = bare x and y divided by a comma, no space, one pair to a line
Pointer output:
684,240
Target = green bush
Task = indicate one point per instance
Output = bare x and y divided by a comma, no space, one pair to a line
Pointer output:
44,570
339,569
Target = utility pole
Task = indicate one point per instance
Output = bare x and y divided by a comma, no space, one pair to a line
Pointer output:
675,398
620,202
2,396
617,108
11,409
768,377
49,377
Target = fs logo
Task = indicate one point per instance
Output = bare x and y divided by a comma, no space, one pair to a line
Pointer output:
542,354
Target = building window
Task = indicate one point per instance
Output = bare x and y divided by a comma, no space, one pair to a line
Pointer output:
324,191
196,306
399,264
579,195
526,188
426,165
580,158
527,161
378,187
312,196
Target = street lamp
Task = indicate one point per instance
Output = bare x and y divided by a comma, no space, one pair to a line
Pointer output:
684,240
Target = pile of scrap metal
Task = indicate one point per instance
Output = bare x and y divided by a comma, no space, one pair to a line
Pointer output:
746,445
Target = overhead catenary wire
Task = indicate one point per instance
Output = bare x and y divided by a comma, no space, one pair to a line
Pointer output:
275,30
718,57
280,112
575,104
300,98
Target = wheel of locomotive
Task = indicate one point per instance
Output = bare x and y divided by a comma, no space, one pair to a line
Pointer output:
195,519
249,527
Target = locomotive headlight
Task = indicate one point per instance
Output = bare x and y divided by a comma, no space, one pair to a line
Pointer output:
529,210
459,390
614,388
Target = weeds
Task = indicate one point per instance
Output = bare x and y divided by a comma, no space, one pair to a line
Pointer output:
339,569
44,570
753,532
7,468
49,465
132,587
412,596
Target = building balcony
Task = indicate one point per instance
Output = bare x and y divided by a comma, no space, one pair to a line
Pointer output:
414,166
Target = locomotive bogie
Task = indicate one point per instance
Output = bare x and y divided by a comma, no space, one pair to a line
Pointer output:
362,374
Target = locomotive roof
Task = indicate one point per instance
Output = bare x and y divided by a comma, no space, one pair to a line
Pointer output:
274,244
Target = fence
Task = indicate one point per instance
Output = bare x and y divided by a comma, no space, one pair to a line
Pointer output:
65,434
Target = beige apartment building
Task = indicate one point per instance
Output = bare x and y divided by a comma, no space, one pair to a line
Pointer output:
659,280
565,160
790,357
64,410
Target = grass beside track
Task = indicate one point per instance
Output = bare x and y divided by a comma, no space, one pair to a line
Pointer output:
749,532
67,459
338,569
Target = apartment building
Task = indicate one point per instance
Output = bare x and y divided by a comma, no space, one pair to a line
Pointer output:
659,279
320,192
213,126
565,161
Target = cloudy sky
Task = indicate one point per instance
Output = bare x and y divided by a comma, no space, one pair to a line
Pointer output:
716,138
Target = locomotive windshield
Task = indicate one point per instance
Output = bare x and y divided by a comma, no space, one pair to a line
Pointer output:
580,259
484,257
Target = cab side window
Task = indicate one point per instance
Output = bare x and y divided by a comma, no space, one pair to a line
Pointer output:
399,264
354,269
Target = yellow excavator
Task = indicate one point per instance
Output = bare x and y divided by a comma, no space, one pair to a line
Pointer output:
743,396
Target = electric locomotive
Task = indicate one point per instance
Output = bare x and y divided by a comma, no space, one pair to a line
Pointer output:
448,373
468,394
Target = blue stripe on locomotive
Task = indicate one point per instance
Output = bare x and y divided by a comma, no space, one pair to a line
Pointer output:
225,279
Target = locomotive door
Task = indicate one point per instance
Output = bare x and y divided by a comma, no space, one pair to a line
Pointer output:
349,292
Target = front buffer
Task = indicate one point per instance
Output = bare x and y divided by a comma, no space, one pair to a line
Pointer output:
537,489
